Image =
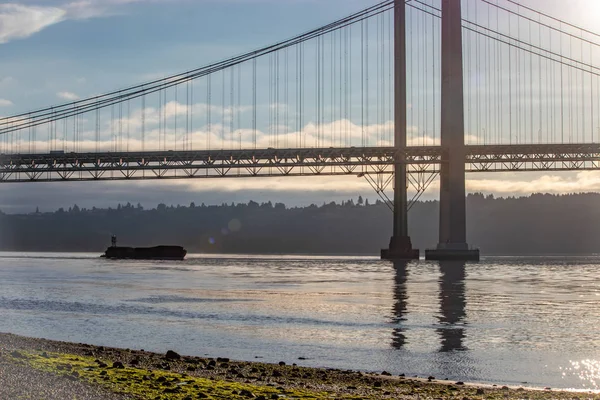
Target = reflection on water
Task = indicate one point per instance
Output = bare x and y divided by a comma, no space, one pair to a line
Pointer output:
400,302
452,304
504,320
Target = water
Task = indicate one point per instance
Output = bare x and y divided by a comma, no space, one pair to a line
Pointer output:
504,320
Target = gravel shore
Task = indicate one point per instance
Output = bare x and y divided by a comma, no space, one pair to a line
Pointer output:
43,369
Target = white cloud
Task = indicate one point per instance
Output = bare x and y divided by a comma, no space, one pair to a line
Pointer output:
67,96
584,181
5,103
86,9
20,21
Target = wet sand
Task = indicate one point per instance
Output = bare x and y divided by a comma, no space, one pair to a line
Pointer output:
44,369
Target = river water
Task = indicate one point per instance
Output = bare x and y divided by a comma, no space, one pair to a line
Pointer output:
519,321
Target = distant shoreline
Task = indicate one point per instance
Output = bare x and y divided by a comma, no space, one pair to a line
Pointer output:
524,226
138,374
307,255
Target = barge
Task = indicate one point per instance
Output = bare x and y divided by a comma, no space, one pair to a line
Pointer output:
115,252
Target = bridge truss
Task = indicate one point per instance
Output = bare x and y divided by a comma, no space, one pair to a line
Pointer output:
359,161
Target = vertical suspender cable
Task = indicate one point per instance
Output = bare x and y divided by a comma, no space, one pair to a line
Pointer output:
231,100
302,130
223,110
160,122
112,128
367,94
423,70
518,91
562,98
187,115
468,80
509,85
377,80
433,80
530,89
582,94
362,81
286,99
143,123
208,110
478,72
499,63
332,77
191,138
411,81
540,99
349,62
550,83
128,122
176,114
239,105
254,103
592,95
317,86
571,90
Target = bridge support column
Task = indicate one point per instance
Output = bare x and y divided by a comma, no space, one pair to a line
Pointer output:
400,243
453,231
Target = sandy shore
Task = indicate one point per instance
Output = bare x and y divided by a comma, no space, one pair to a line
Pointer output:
44,369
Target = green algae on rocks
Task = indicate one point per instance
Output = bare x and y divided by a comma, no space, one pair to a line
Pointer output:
187,378
155,384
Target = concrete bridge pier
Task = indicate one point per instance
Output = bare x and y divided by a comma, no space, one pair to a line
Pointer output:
400,243
453,232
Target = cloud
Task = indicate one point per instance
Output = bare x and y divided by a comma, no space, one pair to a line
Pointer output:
5,103
583,181
67,96
20,21
324,186
86,9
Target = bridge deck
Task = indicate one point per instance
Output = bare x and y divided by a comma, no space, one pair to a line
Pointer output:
287,162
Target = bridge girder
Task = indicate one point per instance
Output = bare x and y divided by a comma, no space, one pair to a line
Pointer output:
288,162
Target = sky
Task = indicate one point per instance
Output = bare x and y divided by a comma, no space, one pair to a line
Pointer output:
56,51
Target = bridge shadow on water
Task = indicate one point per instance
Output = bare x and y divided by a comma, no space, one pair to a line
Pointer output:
452,305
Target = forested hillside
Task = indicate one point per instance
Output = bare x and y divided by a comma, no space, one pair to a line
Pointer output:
539,224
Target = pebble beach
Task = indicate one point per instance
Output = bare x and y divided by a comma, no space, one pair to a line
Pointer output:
43,369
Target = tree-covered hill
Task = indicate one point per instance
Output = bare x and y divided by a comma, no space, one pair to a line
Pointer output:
538,224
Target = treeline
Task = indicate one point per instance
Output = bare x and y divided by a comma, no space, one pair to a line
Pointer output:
538,224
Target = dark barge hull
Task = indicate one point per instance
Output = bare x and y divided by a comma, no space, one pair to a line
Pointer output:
146,253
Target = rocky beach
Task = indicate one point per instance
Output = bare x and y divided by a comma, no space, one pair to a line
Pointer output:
44,369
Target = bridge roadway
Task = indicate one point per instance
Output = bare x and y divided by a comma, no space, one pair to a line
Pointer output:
287,162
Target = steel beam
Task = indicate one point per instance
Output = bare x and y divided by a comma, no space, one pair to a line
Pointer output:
289,162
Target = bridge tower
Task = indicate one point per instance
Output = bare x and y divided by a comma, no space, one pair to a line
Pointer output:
400,243
453,232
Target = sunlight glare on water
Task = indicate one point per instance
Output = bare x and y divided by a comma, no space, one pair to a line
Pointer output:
588,371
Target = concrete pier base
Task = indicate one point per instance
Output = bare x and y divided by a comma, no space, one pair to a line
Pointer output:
452,254
400,249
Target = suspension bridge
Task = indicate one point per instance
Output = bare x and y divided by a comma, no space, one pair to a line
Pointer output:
400,93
